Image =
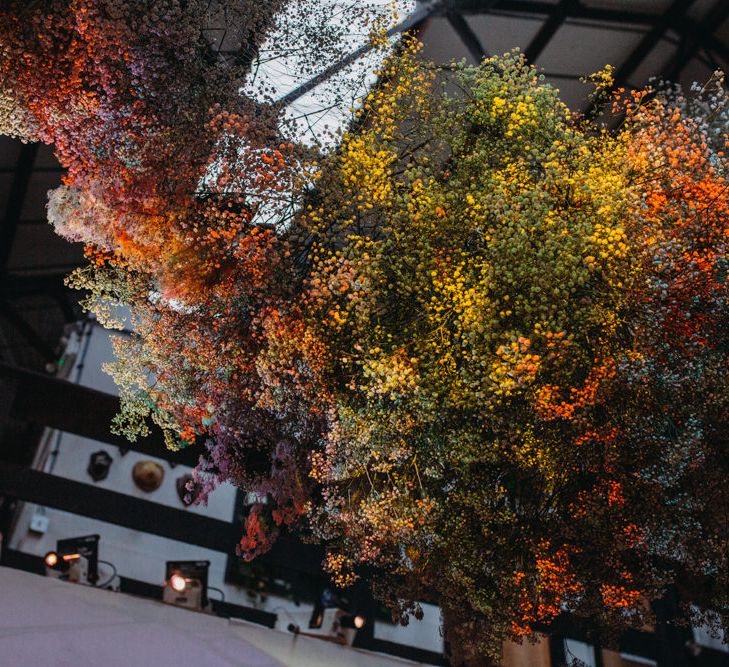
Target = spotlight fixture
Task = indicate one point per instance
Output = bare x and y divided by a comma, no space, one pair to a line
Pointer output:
317,616
333,625
186,583
352,621
178,582
75,559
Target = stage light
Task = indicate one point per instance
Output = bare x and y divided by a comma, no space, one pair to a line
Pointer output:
317,616
178,582
75,559
186,583
353,622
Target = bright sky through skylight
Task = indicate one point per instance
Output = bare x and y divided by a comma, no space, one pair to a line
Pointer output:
317,116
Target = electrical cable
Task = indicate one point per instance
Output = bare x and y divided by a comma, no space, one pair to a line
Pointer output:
222,595
111,578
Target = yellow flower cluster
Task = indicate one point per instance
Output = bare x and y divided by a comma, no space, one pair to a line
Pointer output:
533,454
390,375
340,569
366,170
514,367
608,243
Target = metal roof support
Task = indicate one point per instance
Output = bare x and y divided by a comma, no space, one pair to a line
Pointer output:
675,12
466,34
556,18
693,39
614,17
546,8
31,336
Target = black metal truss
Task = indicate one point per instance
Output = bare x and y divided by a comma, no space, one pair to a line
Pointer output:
412,22
10,314
466,34
14,286
676,12
692,39
692,34
556,18
613,18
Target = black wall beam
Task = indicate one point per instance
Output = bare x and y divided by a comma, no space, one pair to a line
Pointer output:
406,652
16,197
120,509
60,404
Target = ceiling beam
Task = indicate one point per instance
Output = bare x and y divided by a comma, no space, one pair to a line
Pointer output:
614,17
466,35
549,28
675,12
694,38
14,286
546,8
27,332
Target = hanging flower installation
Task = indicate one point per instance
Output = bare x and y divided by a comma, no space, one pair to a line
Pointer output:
486,357
526,326
180,185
